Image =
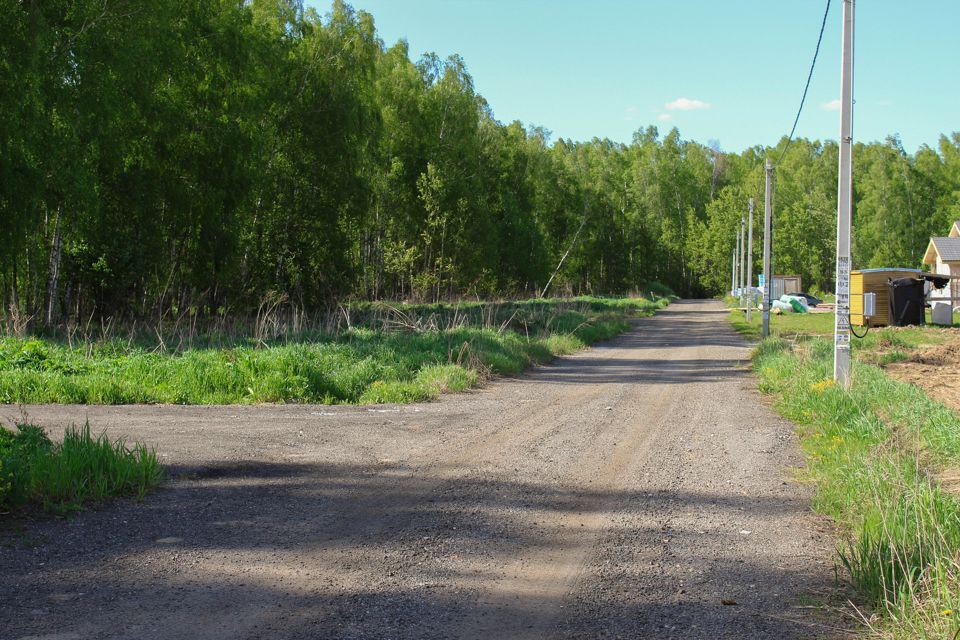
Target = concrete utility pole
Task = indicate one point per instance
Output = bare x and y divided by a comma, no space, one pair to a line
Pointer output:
743,251
750,263
736,266
841,334
733,271
767,246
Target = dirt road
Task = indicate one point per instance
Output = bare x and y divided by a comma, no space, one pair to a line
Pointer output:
627,492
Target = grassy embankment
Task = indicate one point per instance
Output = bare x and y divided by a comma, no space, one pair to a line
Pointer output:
63,476
386,353
883,458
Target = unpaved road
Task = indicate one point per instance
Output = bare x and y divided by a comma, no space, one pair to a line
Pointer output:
623,492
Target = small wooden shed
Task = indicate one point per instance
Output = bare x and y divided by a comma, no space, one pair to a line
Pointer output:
786,284
874,281
943,256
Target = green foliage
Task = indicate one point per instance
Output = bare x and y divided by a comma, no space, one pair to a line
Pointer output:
197,158
436,348
874,455
63,476
786,325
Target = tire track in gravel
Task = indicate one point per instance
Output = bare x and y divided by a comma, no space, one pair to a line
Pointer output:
602,496
541,577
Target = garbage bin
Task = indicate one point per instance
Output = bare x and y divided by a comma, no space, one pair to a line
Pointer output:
906,301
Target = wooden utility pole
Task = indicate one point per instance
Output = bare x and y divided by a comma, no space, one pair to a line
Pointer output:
841,334
750,262
767,247
743,251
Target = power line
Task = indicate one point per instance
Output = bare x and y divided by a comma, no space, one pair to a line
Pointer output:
807,87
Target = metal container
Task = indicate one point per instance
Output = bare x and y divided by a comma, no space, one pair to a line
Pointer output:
869,305
941,313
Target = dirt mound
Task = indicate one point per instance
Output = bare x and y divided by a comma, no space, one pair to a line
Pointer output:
937,370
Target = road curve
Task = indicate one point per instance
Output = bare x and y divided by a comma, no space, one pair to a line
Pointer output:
635,490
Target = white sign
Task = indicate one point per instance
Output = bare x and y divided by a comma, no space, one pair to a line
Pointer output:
842,334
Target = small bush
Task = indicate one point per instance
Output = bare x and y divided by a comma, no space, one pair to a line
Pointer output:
659,290
63,476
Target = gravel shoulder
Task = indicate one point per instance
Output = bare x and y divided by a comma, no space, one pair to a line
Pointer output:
627,491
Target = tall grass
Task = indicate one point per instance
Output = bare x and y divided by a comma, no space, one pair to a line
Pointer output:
401,354
63,476
878,456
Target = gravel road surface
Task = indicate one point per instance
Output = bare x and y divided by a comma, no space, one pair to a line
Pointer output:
640,489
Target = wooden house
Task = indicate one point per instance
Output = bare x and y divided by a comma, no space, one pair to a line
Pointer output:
943,256
786,284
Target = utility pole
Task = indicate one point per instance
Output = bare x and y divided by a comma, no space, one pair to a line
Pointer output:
736,265
750,263
767,246
733,271
743,251
841,334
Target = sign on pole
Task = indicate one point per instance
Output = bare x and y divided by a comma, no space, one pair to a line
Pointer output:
841,333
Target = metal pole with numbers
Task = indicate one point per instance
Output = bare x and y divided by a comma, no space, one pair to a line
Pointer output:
841,334
767,246
750,263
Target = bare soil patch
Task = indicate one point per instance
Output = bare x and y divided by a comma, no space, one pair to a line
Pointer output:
936,370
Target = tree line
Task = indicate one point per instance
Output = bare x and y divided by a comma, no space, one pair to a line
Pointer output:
206,155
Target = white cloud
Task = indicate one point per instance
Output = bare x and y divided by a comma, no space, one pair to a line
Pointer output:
630,113
833,105
665,117
686,104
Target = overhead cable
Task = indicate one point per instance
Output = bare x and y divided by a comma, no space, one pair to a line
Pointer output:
807,86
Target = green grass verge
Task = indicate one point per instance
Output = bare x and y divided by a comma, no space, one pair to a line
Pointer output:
788,324
360,365
879,457
63,476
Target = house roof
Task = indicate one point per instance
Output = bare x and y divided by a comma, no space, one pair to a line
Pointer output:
947,248
955,230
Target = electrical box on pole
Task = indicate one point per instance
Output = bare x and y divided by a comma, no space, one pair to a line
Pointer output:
750,262
841,334
767,248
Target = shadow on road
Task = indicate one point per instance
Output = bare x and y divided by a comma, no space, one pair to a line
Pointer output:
419,544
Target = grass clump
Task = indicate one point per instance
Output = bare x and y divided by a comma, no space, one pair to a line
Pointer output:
878,455
63,476
400,353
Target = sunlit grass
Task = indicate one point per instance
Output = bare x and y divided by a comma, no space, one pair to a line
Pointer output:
409,360
63,476
875,455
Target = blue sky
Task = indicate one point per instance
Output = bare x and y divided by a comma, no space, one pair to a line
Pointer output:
729,71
